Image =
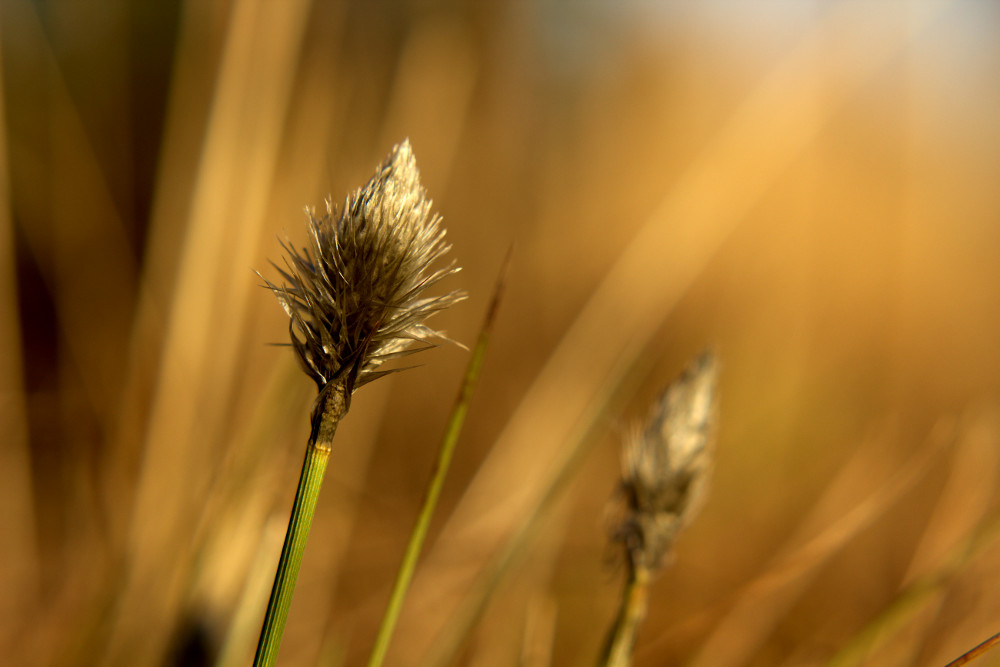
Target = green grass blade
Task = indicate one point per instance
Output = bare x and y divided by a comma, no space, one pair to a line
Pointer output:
405,574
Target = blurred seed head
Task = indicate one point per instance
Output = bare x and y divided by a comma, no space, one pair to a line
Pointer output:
355,296
665,467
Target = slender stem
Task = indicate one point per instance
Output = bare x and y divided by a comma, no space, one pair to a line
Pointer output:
330,407
630,616
405,574
975,652
915,596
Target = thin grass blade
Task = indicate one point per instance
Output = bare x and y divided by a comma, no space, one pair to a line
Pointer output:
445,454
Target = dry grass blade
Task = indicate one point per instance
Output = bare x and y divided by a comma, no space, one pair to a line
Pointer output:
230,191
18,545
953,536
539,632
770,595
914,597
246,620
975,652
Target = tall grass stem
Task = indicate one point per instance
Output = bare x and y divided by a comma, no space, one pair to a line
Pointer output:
331,406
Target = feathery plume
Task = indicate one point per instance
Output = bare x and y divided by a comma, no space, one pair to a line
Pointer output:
665,467
355,297
665,470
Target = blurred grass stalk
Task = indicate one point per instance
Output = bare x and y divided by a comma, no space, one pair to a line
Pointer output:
441,465
665,470
631,614
220,161
914,598
18,546
962,526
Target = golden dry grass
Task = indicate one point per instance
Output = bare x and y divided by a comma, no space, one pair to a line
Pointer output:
809,187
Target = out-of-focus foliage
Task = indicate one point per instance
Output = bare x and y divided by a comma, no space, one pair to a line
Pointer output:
809,187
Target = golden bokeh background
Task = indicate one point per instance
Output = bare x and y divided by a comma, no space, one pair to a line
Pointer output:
810,188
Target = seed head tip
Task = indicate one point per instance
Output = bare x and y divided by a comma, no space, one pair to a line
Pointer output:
355,296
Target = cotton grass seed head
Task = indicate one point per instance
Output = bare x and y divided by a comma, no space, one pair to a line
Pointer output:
665,466
356,296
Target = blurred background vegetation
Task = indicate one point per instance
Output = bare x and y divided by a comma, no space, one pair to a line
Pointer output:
809,187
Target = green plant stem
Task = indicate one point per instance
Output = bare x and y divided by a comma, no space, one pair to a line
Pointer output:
631,613
405,574
330,408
